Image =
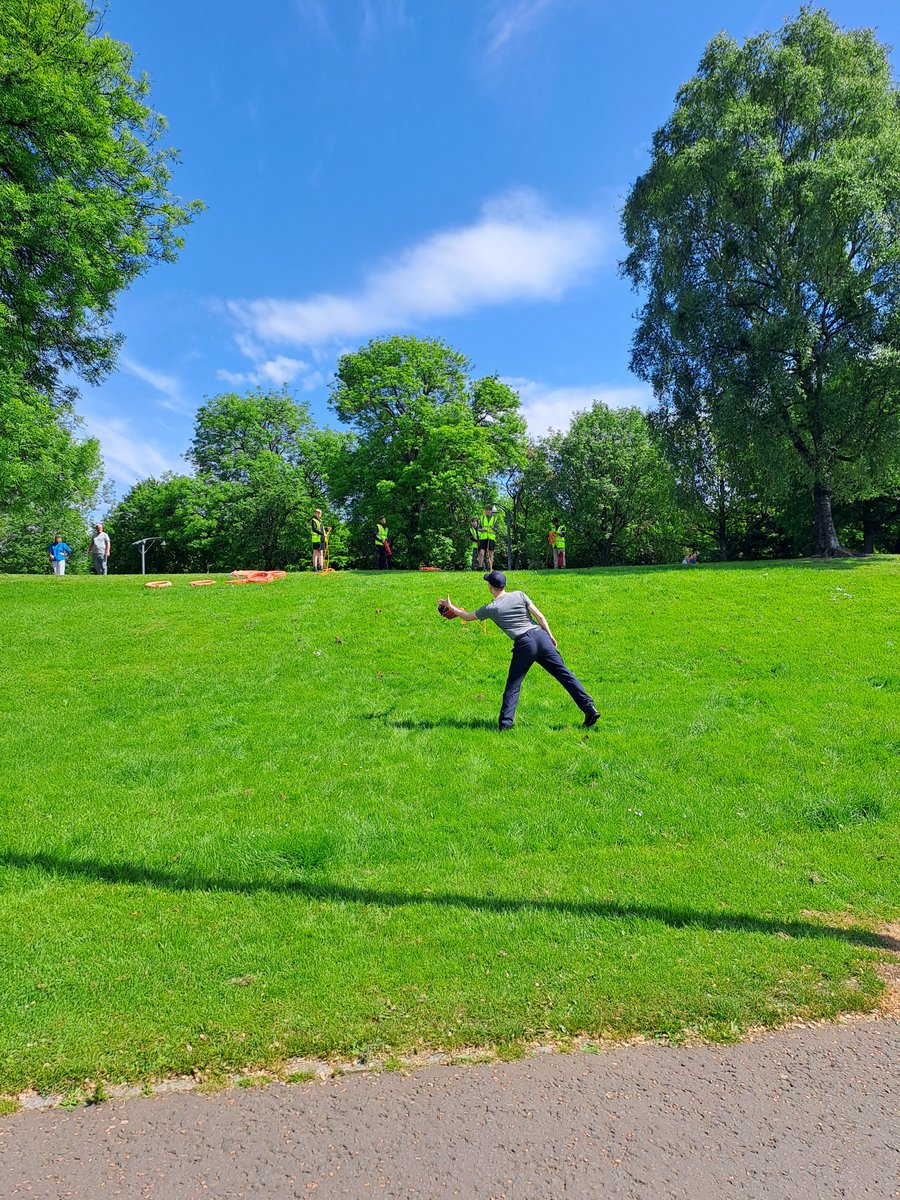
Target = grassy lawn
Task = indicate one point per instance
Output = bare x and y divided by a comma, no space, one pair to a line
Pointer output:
245,823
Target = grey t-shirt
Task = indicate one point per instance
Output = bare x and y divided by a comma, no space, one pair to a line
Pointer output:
510,612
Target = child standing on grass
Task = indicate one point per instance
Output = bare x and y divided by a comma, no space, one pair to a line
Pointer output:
58,552
516,615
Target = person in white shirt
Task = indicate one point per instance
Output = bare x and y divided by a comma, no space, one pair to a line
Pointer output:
100,548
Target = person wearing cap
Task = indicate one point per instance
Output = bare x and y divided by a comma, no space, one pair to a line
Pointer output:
527,627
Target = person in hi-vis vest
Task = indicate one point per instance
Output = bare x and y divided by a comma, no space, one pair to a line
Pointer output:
473,541
487,536
381,544
557,539
318,541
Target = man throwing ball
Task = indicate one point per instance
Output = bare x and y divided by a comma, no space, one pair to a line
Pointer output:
532,643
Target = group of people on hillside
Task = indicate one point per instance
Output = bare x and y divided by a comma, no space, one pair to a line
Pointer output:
482,539
59,552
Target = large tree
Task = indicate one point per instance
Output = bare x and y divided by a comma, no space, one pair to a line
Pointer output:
611,483
271,466
430,442
766,237
85,205
49,477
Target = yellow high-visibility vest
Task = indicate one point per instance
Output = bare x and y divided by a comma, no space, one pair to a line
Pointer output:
381,535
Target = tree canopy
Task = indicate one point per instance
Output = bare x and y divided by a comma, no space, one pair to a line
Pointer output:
262,469
85,205
48,477
766,237
430,441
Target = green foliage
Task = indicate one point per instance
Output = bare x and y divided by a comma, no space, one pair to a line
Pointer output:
429,442
608,478
85,205
766,237
49,478
532,505
262,470
189,513
251,824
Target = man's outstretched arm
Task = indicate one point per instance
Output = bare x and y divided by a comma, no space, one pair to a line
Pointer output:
460,612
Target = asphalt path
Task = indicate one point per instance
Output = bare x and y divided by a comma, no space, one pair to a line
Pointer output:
811,1112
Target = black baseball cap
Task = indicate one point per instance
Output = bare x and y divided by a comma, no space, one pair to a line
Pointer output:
496,579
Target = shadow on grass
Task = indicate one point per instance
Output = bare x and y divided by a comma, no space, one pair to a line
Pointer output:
443,723
676,918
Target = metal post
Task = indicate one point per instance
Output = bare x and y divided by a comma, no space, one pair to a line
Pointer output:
144,543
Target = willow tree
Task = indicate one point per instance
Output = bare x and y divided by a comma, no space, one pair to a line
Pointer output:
765,236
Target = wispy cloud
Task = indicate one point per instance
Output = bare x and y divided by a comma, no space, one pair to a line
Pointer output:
513,20
382,17
545,407
126,456
276,371
315,14
370,20
168,386
518,250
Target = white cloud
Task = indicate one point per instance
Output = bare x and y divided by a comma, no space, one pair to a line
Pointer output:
127,458
518,250
545,407
168,386
275,371
513,20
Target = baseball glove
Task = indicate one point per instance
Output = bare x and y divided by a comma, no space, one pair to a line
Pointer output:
445,610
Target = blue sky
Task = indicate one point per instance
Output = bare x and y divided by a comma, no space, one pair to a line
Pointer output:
449,168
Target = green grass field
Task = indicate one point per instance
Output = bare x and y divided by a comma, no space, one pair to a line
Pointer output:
246,823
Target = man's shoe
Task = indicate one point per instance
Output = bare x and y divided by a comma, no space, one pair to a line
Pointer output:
591,718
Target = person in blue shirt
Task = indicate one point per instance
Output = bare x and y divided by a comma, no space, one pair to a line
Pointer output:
58,552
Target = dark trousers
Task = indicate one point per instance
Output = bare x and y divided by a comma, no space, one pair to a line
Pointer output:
384,559
535,646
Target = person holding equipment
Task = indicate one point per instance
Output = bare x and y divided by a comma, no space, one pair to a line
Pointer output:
382,545
319,534
473,541
522,622
557,541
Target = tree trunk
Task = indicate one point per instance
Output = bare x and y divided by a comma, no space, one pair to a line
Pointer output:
870,526
827,542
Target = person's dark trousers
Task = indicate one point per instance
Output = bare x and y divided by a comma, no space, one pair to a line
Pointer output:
383,562
536,646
